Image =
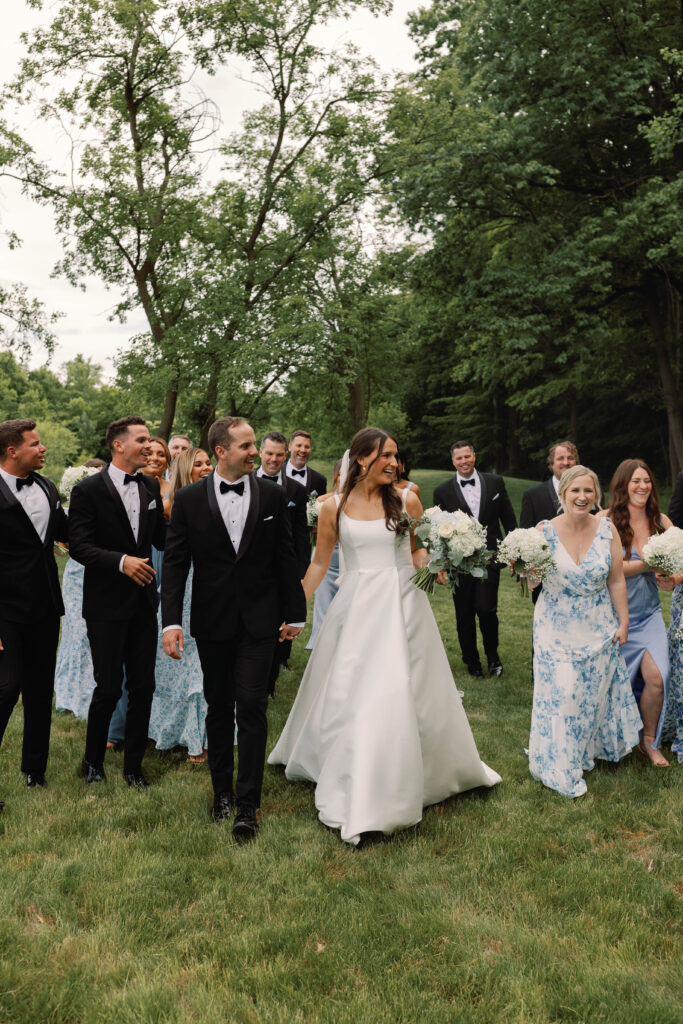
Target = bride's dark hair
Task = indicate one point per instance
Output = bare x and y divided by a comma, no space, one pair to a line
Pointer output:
364,443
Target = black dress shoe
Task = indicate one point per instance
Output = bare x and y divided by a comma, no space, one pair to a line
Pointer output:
2,804
136,780
476,671
245,826
92,772
222,807
495,668
35,780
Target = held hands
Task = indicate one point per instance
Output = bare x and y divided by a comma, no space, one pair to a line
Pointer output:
667,582
288,632
621,634
174,643
138,570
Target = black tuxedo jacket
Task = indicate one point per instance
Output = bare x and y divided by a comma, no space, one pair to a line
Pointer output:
538,503
495,508
101,534
29,582
255,588
312,483
297,501
676,506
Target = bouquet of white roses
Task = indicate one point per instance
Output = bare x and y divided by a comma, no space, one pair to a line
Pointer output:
528,552
664,552
457,545
313,510
71,476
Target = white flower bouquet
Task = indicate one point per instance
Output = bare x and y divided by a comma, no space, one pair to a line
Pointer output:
528,552
313,511
664,552
71,476
456,543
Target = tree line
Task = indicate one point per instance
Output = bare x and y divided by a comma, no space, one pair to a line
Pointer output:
492,246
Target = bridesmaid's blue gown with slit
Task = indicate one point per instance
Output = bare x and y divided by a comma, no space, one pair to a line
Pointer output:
646,633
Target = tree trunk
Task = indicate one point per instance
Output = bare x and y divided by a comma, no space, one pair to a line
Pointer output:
662,311
573,416
168,416
356,403
208,411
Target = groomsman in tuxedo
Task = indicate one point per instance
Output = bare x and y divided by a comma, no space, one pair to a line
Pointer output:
542,501
297,468
676,505
234,527
31,520
272,454
179,443
482,495
115,517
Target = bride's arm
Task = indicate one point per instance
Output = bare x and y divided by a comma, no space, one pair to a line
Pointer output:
324,546
414,510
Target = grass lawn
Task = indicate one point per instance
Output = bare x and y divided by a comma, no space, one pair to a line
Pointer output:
514,905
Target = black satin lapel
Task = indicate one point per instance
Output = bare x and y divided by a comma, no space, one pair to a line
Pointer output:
143,497
214,509
123,515
252,516
11,499
7,494
554,498
460,497
483,494
52,502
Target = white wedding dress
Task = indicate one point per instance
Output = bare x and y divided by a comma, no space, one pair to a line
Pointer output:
378,723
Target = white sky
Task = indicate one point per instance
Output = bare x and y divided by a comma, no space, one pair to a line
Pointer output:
85,328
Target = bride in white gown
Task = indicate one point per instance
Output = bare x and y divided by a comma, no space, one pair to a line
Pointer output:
378,723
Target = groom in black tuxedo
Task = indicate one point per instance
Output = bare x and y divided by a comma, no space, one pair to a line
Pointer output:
115,517
31,520
482,495
234,528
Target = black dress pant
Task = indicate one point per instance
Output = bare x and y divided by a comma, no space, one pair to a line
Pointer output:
131,643
27,668
236,673
477,599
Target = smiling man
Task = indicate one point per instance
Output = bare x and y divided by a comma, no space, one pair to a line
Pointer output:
115,516
298,468
31,520
542,501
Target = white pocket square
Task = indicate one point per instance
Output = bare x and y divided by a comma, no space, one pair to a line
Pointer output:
292,504
267,519
495,497
152,504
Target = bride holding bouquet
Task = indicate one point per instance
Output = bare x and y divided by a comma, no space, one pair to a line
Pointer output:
378,723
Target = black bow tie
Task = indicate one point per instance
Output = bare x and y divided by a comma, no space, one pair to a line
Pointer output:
237,488
298,472
130,478
464,483
275,479
25,482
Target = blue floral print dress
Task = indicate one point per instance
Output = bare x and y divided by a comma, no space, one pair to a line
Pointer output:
672,729
584,707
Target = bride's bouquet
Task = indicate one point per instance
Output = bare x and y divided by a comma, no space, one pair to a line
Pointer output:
312,513
528,552
71,476
456,543
664,552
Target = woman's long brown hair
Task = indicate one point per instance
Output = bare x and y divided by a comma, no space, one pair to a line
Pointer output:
618,502
364,443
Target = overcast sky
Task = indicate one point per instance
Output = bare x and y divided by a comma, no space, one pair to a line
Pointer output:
85,328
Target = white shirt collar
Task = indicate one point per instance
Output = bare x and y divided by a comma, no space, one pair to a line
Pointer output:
218,480
11,480
118,475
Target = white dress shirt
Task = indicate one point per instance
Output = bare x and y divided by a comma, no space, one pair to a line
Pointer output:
556,485
472,495
130,496
277,479
33,500
295,474
233,507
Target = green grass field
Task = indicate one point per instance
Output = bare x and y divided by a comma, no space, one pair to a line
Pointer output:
517,905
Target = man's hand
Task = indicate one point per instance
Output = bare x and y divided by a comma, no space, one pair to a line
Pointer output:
1,647
442,578
138,570
288,632
173,642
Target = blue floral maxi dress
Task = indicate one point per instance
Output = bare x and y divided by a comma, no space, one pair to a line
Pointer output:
584,707
672,729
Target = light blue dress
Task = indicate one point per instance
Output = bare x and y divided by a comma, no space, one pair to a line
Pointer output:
646,632
672,727
178,716
323,596
584,707
74,679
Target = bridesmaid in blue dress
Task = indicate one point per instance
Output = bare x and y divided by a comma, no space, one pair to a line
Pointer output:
634,510
583,704
178,708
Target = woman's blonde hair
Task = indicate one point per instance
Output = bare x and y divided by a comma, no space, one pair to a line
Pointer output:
181,470
568,478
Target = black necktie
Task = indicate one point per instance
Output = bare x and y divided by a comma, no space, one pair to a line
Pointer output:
237,488
129,479
298,472
464,483
27,481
